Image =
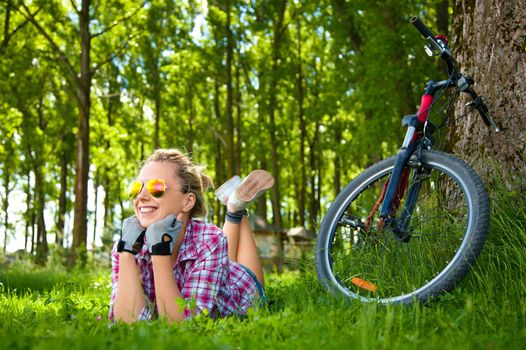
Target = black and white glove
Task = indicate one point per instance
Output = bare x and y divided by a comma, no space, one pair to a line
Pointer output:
162,235
132,236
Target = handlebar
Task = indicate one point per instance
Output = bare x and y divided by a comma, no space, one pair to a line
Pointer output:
426,33
438,43
463,83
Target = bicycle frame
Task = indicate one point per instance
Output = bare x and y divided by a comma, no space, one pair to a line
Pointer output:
398,181
414,138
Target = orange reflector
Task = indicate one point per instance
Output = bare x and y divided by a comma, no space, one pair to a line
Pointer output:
364,284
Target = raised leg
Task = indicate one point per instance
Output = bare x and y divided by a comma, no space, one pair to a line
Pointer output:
237,195
242,246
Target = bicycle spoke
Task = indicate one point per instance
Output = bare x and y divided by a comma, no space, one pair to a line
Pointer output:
378,257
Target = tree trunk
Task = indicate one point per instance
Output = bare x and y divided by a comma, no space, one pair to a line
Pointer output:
62,201
82,84
107,217
218,146
5,197
261,203
108,212
344,12
80,223
219,174
40,196
29,210
5,40
237,160
6,222
42,246
107,220
229,96
338,137
408,101
489,44
314,180
121,204
157,100
33,222
6,216
442,10
314,156
96,190
191,117
279,29
303,129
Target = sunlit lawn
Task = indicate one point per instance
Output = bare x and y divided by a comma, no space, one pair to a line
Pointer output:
47,308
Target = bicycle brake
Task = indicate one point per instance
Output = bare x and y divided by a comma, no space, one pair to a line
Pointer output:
479,103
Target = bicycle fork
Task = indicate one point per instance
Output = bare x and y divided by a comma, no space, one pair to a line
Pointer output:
396,187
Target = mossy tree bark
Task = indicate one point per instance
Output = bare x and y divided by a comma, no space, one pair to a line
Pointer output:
489,41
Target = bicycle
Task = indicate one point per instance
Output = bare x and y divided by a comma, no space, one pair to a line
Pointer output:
409,227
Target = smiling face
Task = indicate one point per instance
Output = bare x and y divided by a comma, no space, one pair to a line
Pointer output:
149,209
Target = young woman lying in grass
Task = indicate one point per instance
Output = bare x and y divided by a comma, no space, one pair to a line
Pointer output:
170,264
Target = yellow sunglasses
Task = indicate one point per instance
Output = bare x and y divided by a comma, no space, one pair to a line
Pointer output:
155,187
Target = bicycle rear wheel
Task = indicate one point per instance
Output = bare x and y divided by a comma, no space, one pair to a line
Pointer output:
359,256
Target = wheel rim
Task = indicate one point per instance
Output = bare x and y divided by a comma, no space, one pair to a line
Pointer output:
373,264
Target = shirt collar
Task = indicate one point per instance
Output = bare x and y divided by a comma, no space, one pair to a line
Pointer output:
187,250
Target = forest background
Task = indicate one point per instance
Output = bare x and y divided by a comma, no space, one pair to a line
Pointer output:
313,91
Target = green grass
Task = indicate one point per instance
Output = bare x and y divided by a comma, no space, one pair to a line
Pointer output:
50,308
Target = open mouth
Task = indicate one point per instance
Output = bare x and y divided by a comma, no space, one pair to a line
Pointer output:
147,210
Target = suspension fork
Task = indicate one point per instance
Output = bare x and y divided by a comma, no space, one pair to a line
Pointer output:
412,195
403,184
398,179
394,187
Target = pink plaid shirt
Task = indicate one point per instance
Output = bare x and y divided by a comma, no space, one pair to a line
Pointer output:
204,275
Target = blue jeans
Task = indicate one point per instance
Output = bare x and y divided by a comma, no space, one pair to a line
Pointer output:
263,300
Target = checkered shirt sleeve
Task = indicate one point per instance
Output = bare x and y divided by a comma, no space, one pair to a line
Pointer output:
147,313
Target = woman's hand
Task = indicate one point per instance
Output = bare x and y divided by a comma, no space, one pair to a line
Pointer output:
162,235
131,236
129,301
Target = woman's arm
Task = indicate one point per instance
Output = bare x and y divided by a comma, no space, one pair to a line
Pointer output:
129,298
167,294
161,237
205,277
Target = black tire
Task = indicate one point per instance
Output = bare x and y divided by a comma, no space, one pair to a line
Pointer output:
368,261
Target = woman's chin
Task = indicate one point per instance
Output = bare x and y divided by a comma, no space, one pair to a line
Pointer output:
146,219
145,222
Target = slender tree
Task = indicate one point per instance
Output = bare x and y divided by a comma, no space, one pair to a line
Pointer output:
80,80
8,158
230,127
278,37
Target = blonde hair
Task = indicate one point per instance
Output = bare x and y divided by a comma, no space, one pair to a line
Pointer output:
192,176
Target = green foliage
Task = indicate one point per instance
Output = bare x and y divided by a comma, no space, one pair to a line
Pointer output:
361,66
347,71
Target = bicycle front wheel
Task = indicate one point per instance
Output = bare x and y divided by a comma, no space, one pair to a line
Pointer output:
359,255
